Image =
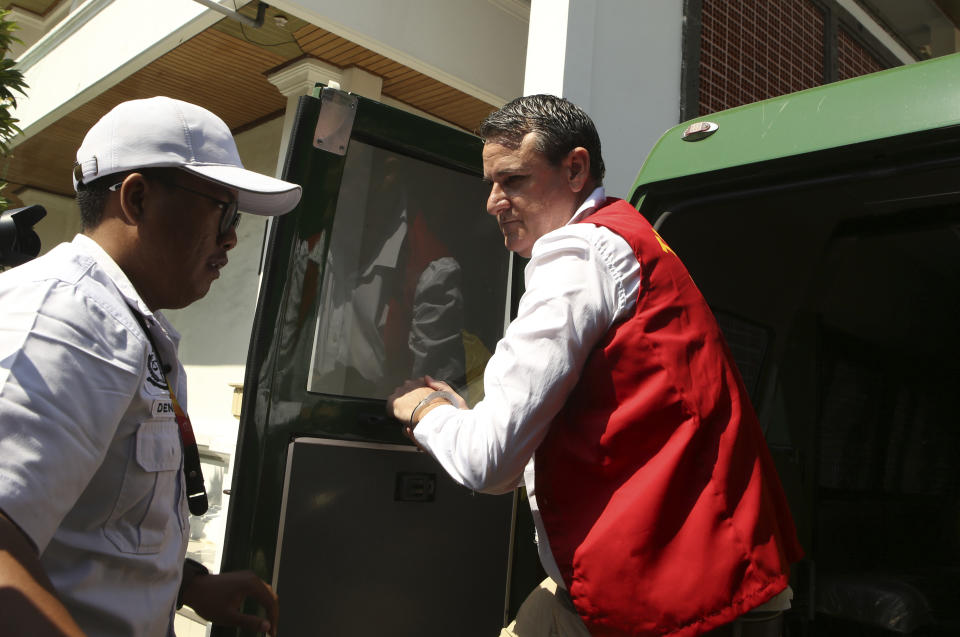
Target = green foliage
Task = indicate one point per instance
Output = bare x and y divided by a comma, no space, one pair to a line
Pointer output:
11,80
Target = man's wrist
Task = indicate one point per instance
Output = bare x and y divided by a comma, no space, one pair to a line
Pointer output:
191,569
430,400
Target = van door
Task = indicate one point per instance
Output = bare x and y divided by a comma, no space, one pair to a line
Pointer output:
388,269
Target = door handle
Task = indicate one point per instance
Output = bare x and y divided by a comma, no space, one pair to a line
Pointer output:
415,487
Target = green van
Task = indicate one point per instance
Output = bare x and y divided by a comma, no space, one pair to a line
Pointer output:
824,229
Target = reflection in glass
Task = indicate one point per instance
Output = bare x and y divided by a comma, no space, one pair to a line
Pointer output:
400,296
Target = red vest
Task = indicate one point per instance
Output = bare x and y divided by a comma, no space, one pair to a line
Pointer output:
658,493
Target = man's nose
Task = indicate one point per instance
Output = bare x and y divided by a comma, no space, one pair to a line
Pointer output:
497,201
228,240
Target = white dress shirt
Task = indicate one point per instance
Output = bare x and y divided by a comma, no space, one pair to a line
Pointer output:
90,454
580,280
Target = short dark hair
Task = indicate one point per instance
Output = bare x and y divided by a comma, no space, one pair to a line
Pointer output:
560,126
92,197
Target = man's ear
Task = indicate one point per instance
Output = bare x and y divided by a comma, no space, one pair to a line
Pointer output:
577,163
133,195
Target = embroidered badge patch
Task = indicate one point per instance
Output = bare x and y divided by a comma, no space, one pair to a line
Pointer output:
154,373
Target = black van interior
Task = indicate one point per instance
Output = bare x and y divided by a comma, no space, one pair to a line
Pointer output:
840,298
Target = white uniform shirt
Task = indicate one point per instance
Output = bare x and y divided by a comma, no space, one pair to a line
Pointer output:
580,280
90,453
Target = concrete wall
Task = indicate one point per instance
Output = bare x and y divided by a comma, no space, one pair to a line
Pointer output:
620,61
62,220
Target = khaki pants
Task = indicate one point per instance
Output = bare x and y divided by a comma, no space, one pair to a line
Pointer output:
547,612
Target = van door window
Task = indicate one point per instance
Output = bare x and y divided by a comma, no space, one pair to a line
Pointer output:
397,300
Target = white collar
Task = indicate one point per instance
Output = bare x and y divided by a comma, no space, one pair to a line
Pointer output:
588,207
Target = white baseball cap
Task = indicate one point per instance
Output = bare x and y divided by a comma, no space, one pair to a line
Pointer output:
163,132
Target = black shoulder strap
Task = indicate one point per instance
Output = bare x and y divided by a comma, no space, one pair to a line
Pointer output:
153,344
193,474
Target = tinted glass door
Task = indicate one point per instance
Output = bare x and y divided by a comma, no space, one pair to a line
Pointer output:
389,269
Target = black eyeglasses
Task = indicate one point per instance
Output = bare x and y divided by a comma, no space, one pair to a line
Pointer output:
229,210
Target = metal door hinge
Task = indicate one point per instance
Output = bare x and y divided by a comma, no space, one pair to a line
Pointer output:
335,122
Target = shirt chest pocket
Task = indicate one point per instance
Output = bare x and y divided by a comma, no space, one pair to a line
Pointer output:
148,506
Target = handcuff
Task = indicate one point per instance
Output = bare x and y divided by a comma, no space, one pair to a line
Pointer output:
446,395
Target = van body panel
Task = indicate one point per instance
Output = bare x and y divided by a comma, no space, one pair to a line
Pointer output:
879,106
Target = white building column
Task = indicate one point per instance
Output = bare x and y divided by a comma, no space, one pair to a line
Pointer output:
358,81
620,61
295,81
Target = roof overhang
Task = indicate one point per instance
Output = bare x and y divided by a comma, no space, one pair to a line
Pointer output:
224,67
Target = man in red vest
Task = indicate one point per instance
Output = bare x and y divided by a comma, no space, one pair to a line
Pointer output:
614,399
